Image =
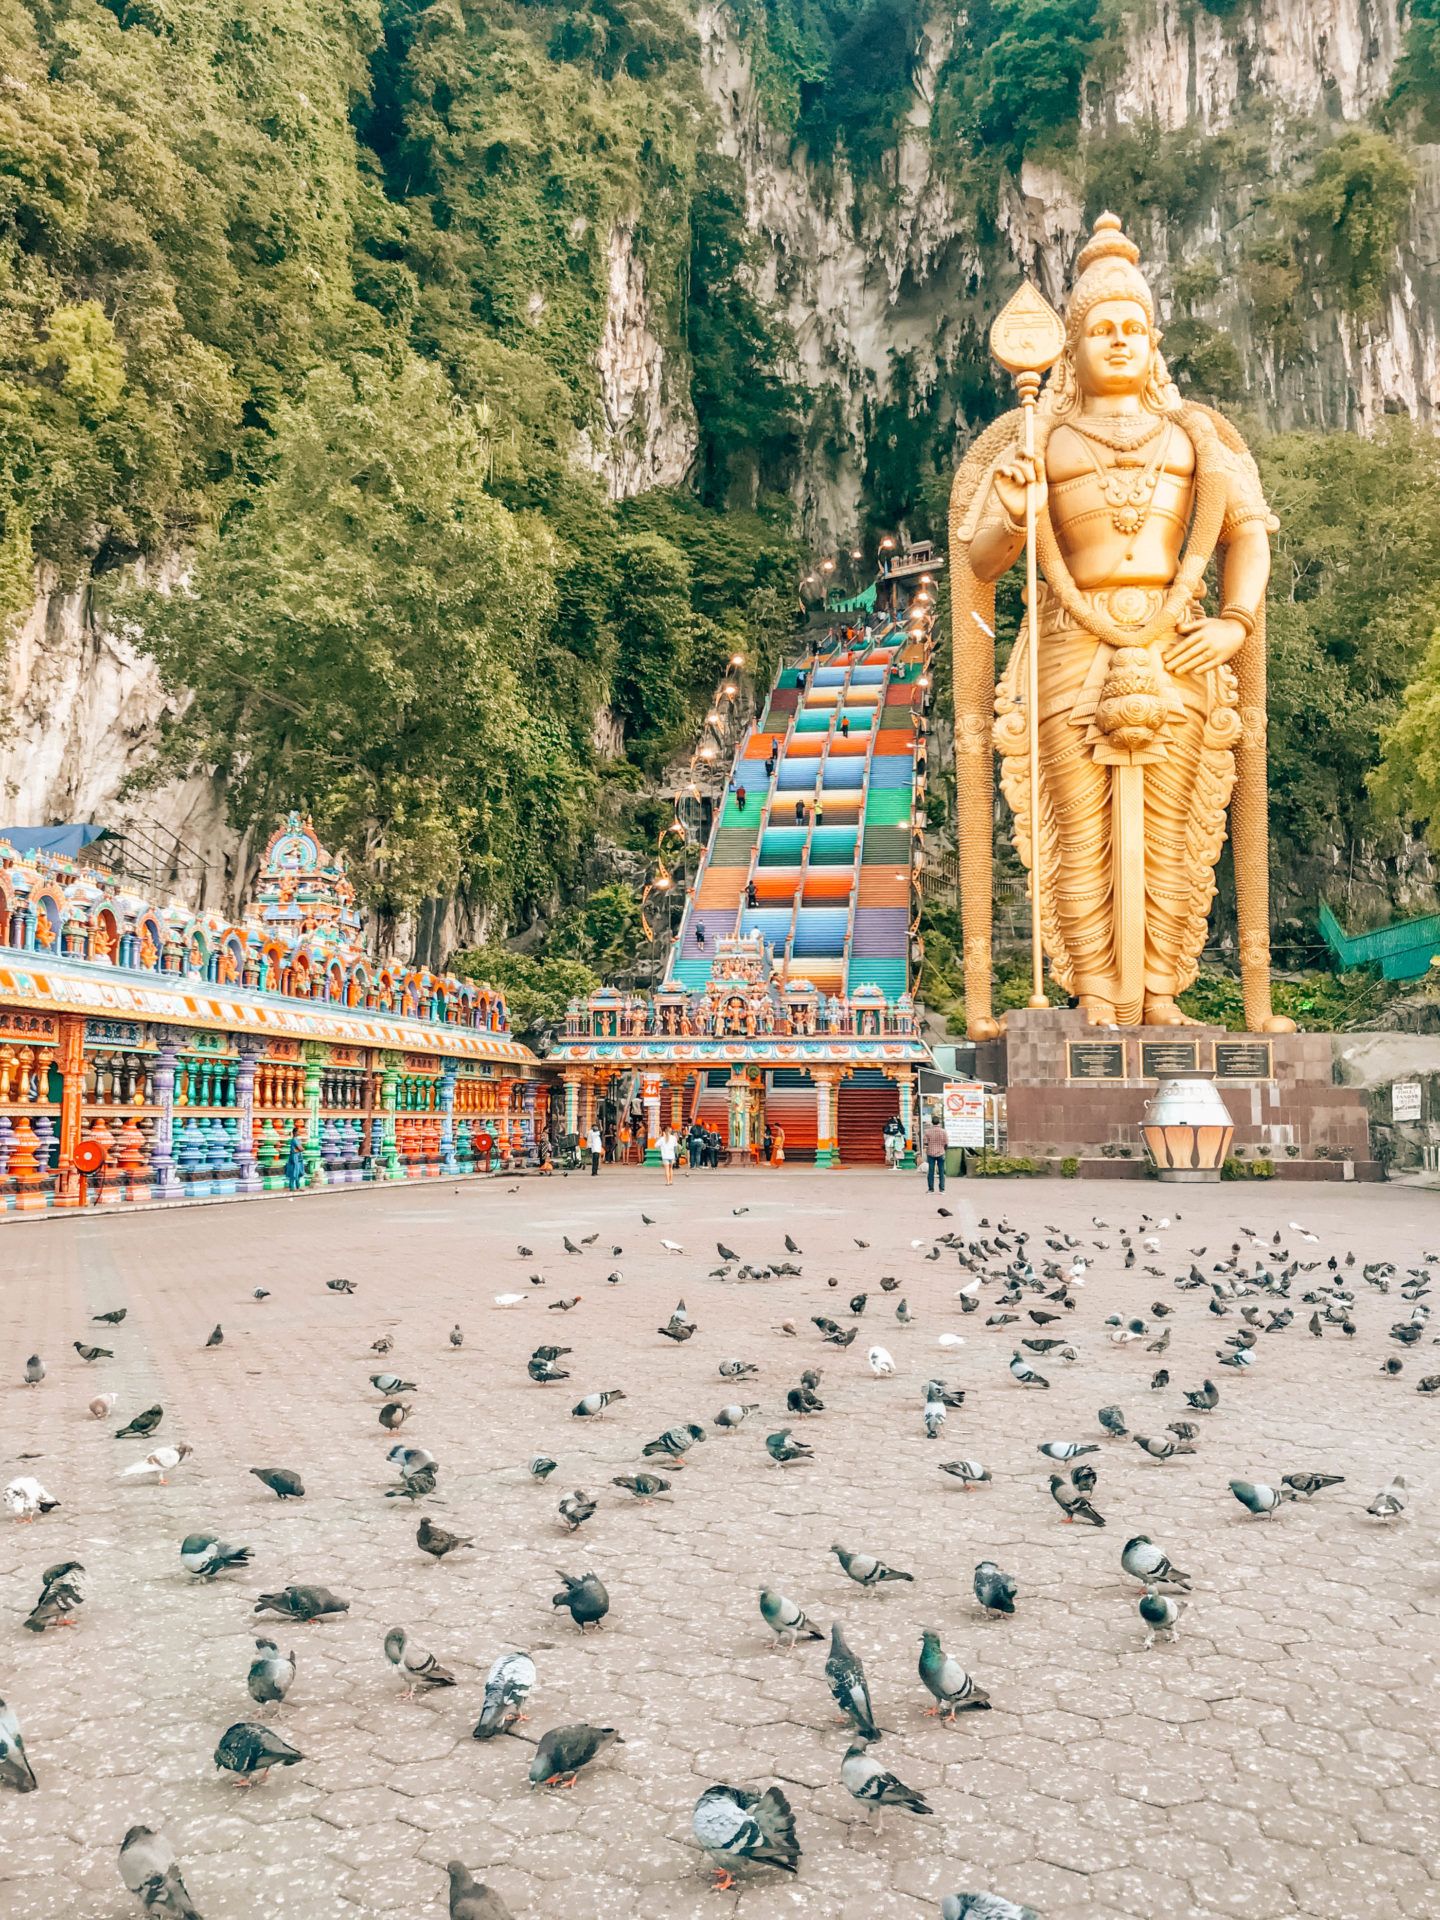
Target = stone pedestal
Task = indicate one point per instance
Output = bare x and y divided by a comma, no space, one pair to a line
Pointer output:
1078,1091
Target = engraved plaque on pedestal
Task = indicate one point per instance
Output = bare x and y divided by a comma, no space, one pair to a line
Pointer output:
1161,1057
1244,1060
1095,1059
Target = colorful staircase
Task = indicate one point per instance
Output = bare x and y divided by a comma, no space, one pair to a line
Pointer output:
825,840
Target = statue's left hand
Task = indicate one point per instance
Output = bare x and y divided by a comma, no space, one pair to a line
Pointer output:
1203,643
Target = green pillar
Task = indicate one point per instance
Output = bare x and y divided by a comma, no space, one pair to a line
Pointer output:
315,1057
388,1153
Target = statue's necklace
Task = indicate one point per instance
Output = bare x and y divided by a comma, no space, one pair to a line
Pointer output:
1128,494
1121,432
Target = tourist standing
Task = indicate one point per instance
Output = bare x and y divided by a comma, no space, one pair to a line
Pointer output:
740,798
668,1146
752,897
894,1141
935,1144
295,1165
595,1142
700,935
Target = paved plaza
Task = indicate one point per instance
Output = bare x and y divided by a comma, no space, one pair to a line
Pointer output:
1279,1760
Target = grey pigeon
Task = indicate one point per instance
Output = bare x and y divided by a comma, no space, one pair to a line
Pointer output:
674,1442
1074,1504
149,1869
271,1674
436,1541
1258,1498
471,1899
563,1751
542,1466
143,1423
993,1589
60,1596
784,1450
846,1676
644,1486
34,1370
594,1404
783,1617
412,1663
206,1554
507,1687
865,1570
1161,1446
1309,1484
576,1508
457,1337
983,1906
390,1384
250,1751
728,1418
92,1353
737,1369
1160,1615
302,1603
1203,1399
864,1779
1389,1503
953,1689
736,1827
1066,1449
284,1482
969,1473
217,1337
586,1599
14,1767
1113,1421
1144,1562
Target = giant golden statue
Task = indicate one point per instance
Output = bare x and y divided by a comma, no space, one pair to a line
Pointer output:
1151,712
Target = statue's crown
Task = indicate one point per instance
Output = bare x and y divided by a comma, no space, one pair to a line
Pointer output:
1108,271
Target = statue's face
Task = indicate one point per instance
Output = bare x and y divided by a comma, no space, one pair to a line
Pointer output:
1115,349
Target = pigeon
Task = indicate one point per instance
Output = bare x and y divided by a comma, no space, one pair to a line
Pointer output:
206,1554
541,1466
509,1299
563,1751
271,1673
983,1906
507,1687
785,1451
15,1770
525,1253
92,1353
803,1400
60,1596
670,1246
471,1899
678,1330
260,1293
564,1306
283,1482
1144,1562
934,1418
302,1603
993,1589
160,1463
1113,1421
575,1509
412,1663
586,1599
143,1423
790,1246
1160,1380
644,1486
110,1319
1389,1503
1161,1615
1072,1502
102,1406
725,1253
866,1571
594,1404
1258,1499
27,1499
968,1472
903,1313
436,1541
341,1286
382,1345
249,1751
783,1617
866,1780
846,1677
1161,1447
1309,1484
457,1337
568,1244
880,1362
736,1827
394,1414
674,1442
953,1689
737,1369
1025,1373
1066,1449
149,1869
728,1418
1203,1399
217,1338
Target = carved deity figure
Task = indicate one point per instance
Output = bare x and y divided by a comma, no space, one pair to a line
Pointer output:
1149,705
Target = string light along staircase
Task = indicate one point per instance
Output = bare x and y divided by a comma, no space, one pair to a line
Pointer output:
824,844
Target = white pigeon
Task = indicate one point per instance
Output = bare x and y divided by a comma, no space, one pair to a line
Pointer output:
672,1246
160,1462
510,1299
27,1499
103,1405
1150,1243
968,1293
1389,1503
917,1243
1295,1227
1122,1336
880,1361
952,1340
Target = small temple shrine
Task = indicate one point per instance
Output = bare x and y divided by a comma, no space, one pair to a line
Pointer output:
150,1053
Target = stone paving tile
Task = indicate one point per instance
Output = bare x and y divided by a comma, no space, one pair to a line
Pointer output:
1277,1763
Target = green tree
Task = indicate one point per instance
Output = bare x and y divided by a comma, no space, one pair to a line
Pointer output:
654,631
537,991
1350,214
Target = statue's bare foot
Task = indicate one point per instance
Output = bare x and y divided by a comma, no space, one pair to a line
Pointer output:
1165,1013
1100,1013
983,1029
1277,1023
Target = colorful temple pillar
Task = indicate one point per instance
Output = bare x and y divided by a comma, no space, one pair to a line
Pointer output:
163,1175
826,1079
310,1142
388,1166
448,1157
572,1102
906,1079
68,1188
249,1180
650,1103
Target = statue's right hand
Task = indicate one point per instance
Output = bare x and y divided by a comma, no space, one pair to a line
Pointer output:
1010,484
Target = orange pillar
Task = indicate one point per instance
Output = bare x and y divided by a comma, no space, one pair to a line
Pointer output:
72,1095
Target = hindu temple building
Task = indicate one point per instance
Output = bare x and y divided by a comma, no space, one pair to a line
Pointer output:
151,1053
786,1008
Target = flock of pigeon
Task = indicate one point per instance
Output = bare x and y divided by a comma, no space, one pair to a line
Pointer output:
1256,1292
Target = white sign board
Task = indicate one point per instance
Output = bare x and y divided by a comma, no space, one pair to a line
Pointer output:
963,1114
1405,1100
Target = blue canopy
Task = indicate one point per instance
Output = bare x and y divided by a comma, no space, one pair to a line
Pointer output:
63,842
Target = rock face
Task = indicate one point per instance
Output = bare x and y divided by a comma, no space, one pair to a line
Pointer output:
649,435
